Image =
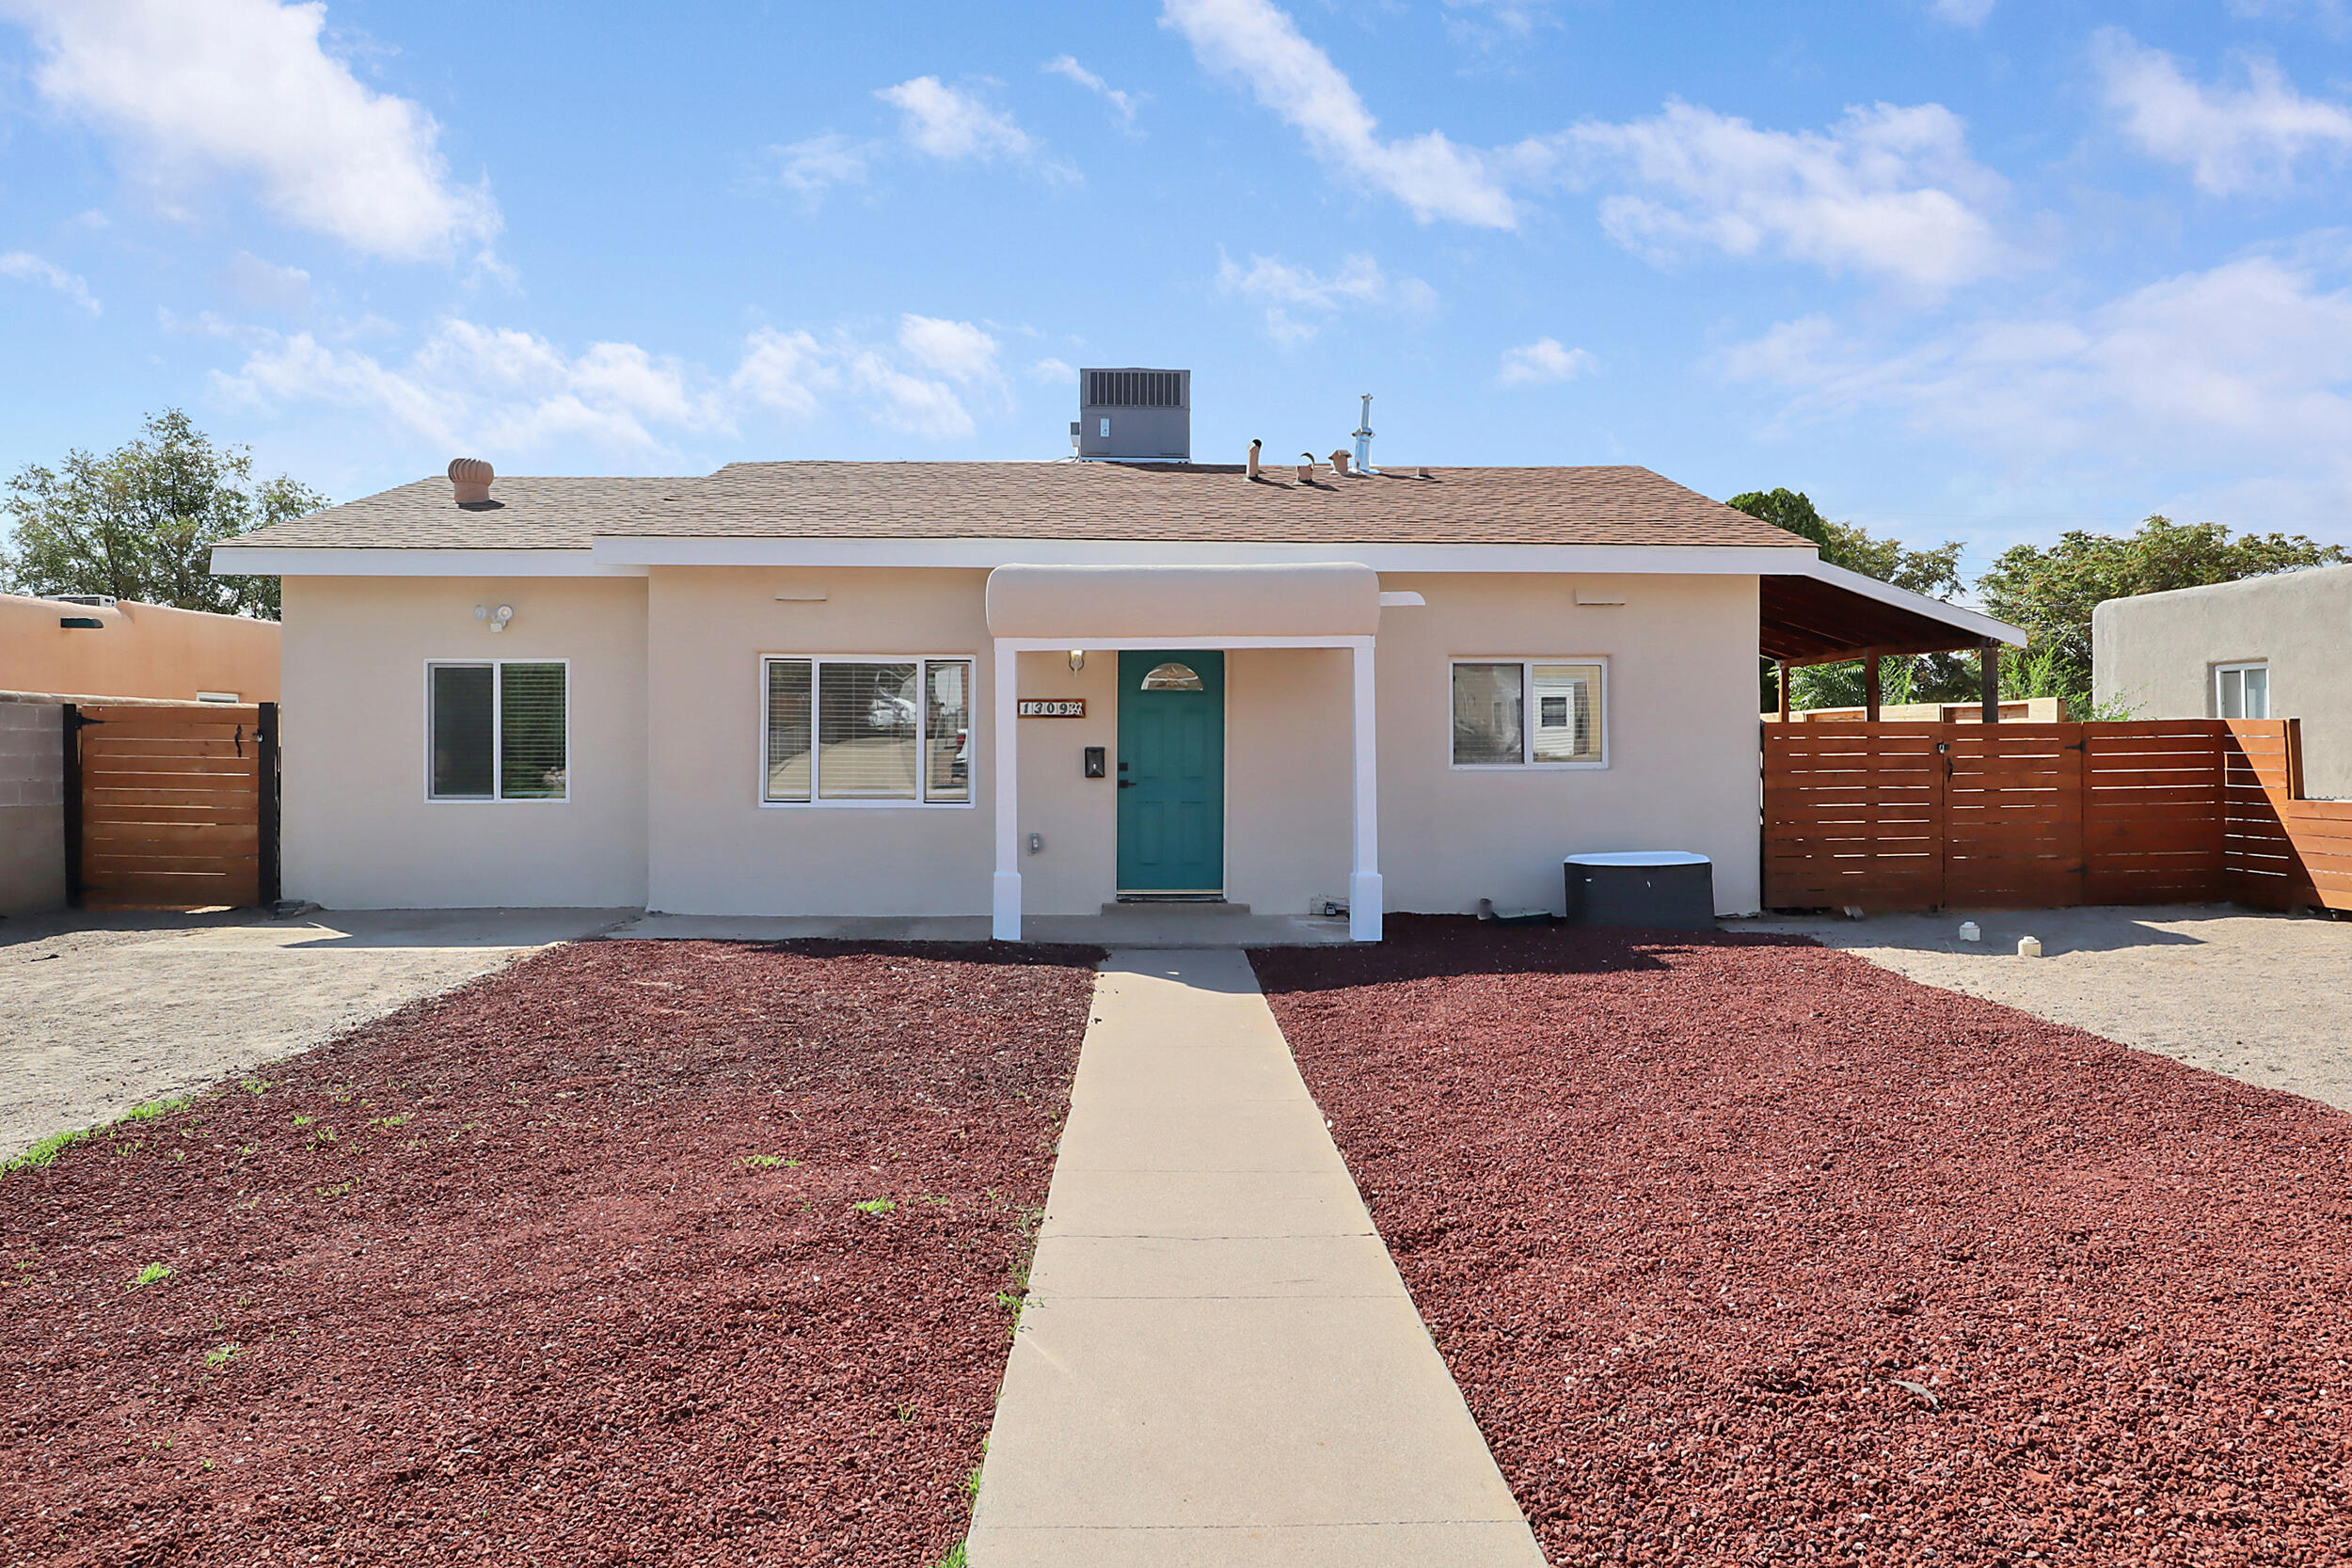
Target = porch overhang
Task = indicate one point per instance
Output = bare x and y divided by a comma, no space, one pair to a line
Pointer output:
1036,608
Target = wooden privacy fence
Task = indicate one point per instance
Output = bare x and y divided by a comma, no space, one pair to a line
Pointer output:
1900,816
171,807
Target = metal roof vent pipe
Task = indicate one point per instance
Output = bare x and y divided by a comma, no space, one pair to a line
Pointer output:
1254,444
471,477
1363,439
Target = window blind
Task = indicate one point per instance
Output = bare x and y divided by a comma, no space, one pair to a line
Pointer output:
790,731
947,729
1489,710
867,721
532,742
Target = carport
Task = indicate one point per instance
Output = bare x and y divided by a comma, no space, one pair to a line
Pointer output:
1830,615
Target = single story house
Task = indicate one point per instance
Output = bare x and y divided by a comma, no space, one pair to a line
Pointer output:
2270,647
963,689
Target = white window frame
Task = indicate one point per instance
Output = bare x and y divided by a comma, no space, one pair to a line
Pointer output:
2239,667
1527,763
922,733
498,796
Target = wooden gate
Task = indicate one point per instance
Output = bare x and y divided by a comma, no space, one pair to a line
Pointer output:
171,807
1918,816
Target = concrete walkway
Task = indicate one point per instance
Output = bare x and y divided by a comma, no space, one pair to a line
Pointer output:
1218,1364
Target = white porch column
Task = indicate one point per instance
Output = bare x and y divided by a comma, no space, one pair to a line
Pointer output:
1006,887
1363,886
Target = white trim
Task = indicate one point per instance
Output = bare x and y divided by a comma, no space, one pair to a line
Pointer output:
332,561
1363,883
988,553
1527,763
498,796
1005,898
1974,622
1218,642
922,724
1401,599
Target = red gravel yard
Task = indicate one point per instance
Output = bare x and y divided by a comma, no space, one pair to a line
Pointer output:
636,1252
1743,1250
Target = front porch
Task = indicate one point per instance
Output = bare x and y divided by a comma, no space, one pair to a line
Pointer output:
1075,612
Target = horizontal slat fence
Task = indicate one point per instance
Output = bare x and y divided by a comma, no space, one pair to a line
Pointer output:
175,811
1896,815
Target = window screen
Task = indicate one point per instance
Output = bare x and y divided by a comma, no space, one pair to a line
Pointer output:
461,765
1568,700
849,730
1489,704
532,741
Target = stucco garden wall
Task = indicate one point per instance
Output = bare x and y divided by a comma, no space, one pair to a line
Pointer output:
137,650
359,833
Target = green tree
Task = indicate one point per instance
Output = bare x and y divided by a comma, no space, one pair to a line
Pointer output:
1933,572
2051,592
140,522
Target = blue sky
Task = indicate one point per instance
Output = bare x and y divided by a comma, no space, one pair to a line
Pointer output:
1970,269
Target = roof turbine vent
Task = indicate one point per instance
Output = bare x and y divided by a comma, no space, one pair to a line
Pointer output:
471,477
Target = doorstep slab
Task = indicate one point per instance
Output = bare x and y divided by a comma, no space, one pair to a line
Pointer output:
1391,1544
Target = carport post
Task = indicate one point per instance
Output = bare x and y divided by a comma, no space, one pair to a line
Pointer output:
1784,691
1870,693
1006,889
1989,667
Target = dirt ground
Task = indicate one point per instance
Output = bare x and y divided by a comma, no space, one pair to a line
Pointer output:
1745,1251
2265,998
99,1013
636,1253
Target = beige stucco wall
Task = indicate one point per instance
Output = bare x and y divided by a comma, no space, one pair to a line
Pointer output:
714,848
666,717
142,650
2155,654
357,832
1682,737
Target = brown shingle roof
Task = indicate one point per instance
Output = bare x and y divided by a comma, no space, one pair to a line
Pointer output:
1200,503
525,514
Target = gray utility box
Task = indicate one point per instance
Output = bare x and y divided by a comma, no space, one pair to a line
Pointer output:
1663,890
1140,416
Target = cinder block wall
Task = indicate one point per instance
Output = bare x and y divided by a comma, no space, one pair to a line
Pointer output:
32,808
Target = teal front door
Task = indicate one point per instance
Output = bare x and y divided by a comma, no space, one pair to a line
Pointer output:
1171,772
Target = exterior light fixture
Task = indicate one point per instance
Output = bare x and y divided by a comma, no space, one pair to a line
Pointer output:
497,618
1077,659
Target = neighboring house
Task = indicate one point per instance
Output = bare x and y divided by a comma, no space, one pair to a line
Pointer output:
89,648
792,688
2274,647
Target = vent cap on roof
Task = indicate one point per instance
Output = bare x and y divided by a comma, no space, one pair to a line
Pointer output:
472,476
1135,415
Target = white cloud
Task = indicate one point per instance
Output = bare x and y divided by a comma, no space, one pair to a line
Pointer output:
1961,13
1252,40
1067,66
2330,16
246,87
1544,362
32,269
265,286
816,164
1289,292
2229,140
499,390
951,124
1055,372
1493,21
2247,365
1890,192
